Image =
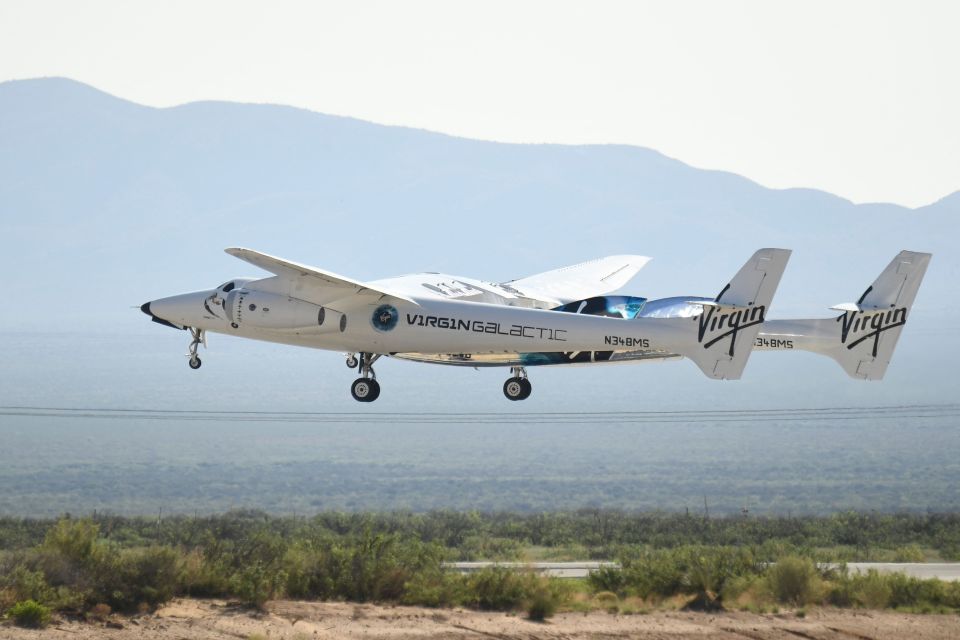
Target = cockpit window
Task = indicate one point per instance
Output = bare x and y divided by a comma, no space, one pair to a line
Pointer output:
228,287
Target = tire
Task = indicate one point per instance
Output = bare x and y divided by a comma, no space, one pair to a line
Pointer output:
513,389
195,362
365,390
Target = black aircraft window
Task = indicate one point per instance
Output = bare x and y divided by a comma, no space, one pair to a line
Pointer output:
228,287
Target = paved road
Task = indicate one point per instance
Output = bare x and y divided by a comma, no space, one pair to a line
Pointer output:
943,570
556,569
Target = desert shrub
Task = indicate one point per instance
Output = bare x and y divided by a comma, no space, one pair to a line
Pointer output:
653,573
542,604
257,584
840,590
908,553
372,568
699,571
707,573
161,568
950,552
75,540
436,589
914,593
607,599
30,613
794,580
911,592
607,579
25,584
378,567
201,576
872,590
307,575
951,595
8,598
137,576
498,588
746,587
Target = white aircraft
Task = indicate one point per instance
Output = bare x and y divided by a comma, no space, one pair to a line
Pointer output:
560,317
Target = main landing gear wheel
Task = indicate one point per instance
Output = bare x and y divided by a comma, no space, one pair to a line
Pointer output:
365,390
513,389
517,387
352,361
195,362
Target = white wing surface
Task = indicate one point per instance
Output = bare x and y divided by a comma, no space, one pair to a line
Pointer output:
309,283
580,281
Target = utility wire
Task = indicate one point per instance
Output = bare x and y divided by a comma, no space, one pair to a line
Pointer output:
809,414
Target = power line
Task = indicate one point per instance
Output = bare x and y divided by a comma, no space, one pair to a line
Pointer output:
808,414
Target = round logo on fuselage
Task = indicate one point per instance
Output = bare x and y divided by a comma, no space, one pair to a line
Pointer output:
385,317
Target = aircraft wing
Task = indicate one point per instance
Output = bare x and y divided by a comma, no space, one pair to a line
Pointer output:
310,283
580,281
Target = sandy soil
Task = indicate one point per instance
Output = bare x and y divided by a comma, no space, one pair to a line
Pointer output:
306,620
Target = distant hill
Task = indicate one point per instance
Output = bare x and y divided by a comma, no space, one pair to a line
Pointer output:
106,204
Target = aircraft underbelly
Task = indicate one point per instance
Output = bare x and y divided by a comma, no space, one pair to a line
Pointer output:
537,359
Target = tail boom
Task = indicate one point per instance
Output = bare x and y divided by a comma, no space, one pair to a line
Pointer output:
863,338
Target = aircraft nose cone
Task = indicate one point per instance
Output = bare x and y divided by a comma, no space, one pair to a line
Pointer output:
145,307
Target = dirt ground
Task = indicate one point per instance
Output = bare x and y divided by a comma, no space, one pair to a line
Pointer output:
214,619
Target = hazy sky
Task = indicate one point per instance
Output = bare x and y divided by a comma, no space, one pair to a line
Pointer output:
858,98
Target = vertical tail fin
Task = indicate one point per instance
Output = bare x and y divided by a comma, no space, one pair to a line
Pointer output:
870,328
728,326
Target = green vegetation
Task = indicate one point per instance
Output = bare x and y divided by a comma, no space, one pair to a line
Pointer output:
109,563
567,535
30,613
794,580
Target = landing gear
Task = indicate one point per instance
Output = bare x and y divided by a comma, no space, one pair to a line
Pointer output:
352,361
199,337
517,387
366,388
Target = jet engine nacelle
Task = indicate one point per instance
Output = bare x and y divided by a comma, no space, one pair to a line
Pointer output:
279,312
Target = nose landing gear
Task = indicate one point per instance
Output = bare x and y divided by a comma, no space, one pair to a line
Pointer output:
199,337
365,388
517,387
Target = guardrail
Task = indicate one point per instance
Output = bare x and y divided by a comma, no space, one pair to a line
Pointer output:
948,571
554,569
